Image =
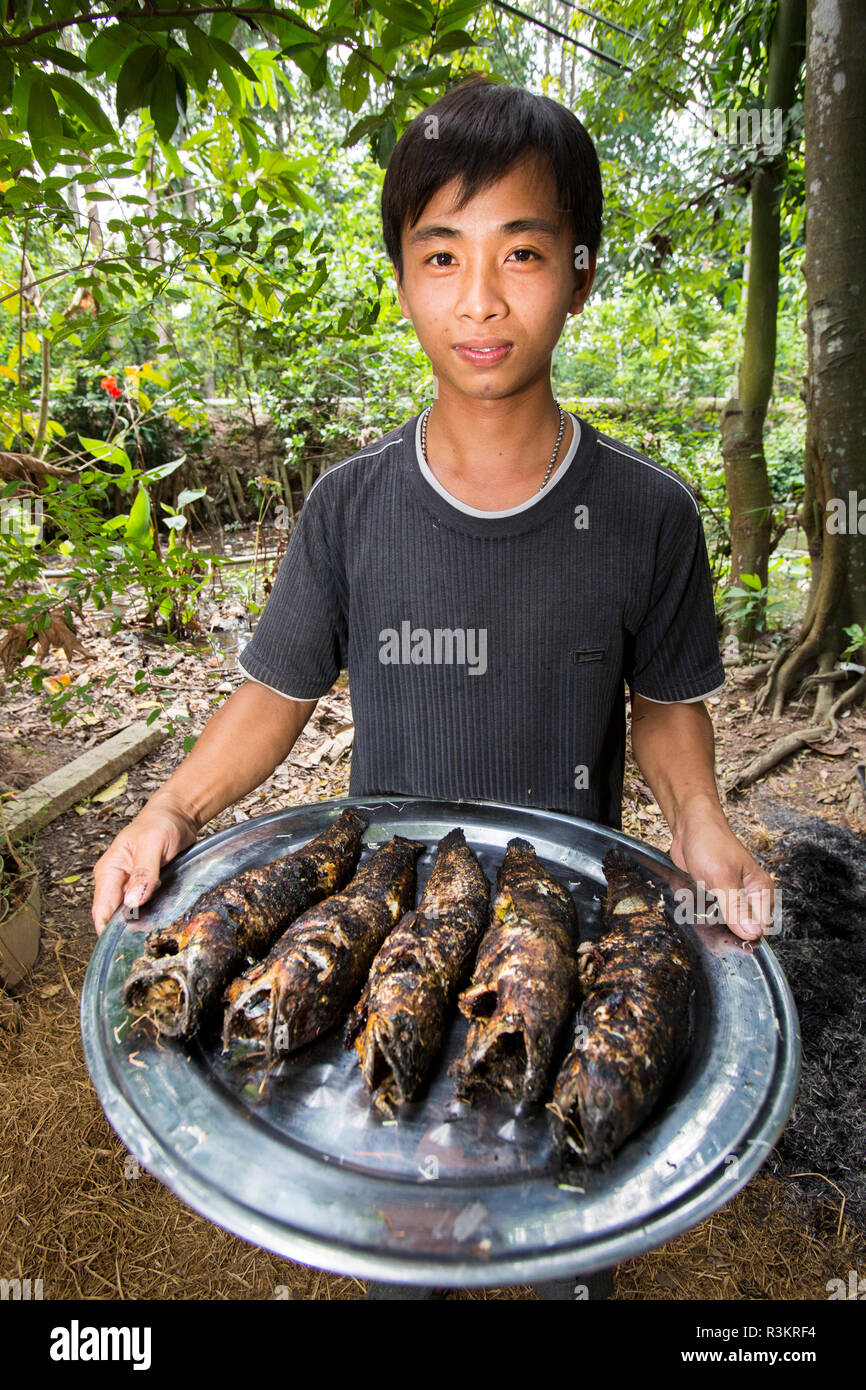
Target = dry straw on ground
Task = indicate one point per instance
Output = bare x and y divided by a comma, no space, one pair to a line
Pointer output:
78,1213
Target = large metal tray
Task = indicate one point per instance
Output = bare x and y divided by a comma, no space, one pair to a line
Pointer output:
304,1168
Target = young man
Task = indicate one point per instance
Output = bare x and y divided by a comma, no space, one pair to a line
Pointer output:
494,570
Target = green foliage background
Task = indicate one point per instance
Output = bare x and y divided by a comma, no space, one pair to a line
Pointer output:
189,203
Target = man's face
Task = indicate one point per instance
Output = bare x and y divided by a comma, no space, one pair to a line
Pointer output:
491,275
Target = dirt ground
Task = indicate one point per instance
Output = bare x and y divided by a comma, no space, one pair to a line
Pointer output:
77,1211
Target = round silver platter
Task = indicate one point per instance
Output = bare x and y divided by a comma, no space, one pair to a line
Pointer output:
303,1167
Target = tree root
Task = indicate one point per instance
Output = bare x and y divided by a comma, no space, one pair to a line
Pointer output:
795,741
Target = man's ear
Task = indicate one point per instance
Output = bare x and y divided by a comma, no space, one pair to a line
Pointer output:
584,277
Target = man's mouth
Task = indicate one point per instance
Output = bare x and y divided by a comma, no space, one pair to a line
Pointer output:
476,350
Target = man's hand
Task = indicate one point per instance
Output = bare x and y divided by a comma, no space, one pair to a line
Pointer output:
128,871
674,749
710,852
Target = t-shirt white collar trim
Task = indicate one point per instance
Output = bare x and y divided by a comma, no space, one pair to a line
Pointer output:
453,501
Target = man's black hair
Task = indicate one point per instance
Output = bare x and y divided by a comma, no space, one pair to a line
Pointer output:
483,127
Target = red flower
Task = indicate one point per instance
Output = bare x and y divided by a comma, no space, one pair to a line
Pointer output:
109,384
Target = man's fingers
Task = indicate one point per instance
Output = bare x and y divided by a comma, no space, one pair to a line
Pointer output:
128,876
739,916
144,877
748,911
107,897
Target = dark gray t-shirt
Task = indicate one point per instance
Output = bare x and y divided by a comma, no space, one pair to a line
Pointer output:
487,651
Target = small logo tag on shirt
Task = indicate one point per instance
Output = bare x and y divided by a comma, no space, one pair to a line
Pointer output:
581,654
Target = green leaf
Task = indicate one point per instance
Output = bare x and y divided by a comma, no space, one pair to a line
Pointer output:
457,12
153,475
43,124
250,143
383,143
229,82
202,55
110,453
190,495
222,26
354,84
62,59
164,103
81,102
233,58
109,45
21,95
427,77
410,17
136,78
7,74
448,43
170,155
138,532
365,126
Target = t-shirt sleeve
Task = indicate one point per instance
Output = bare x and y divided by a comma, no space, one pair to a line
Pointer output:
299,645
674,653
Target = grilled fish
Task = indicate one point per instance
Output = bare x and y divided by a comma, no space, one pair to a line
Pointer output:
524,982
633,1024
185,965
315,969
398,1024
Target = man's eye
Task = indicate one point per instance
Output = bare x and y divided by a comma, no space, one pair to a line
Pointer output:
520,251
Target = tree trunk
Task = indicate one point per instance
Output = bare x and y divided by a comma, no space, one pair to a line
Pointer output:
743,417
834,507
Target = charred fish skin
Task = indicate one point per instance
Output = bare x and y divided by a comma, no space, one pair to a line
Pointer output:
398,1025
185,964
633,1024
524,983
314,971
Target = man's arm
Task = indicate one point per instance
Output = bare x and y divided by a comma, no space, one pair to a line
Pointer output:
674,748
238,748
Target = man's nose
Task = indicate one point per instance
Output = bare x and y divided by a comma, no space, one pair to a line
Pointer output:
480,292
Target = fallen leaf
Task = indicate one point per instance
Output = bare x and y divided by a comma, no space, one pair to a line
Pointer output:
114,789
73,878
